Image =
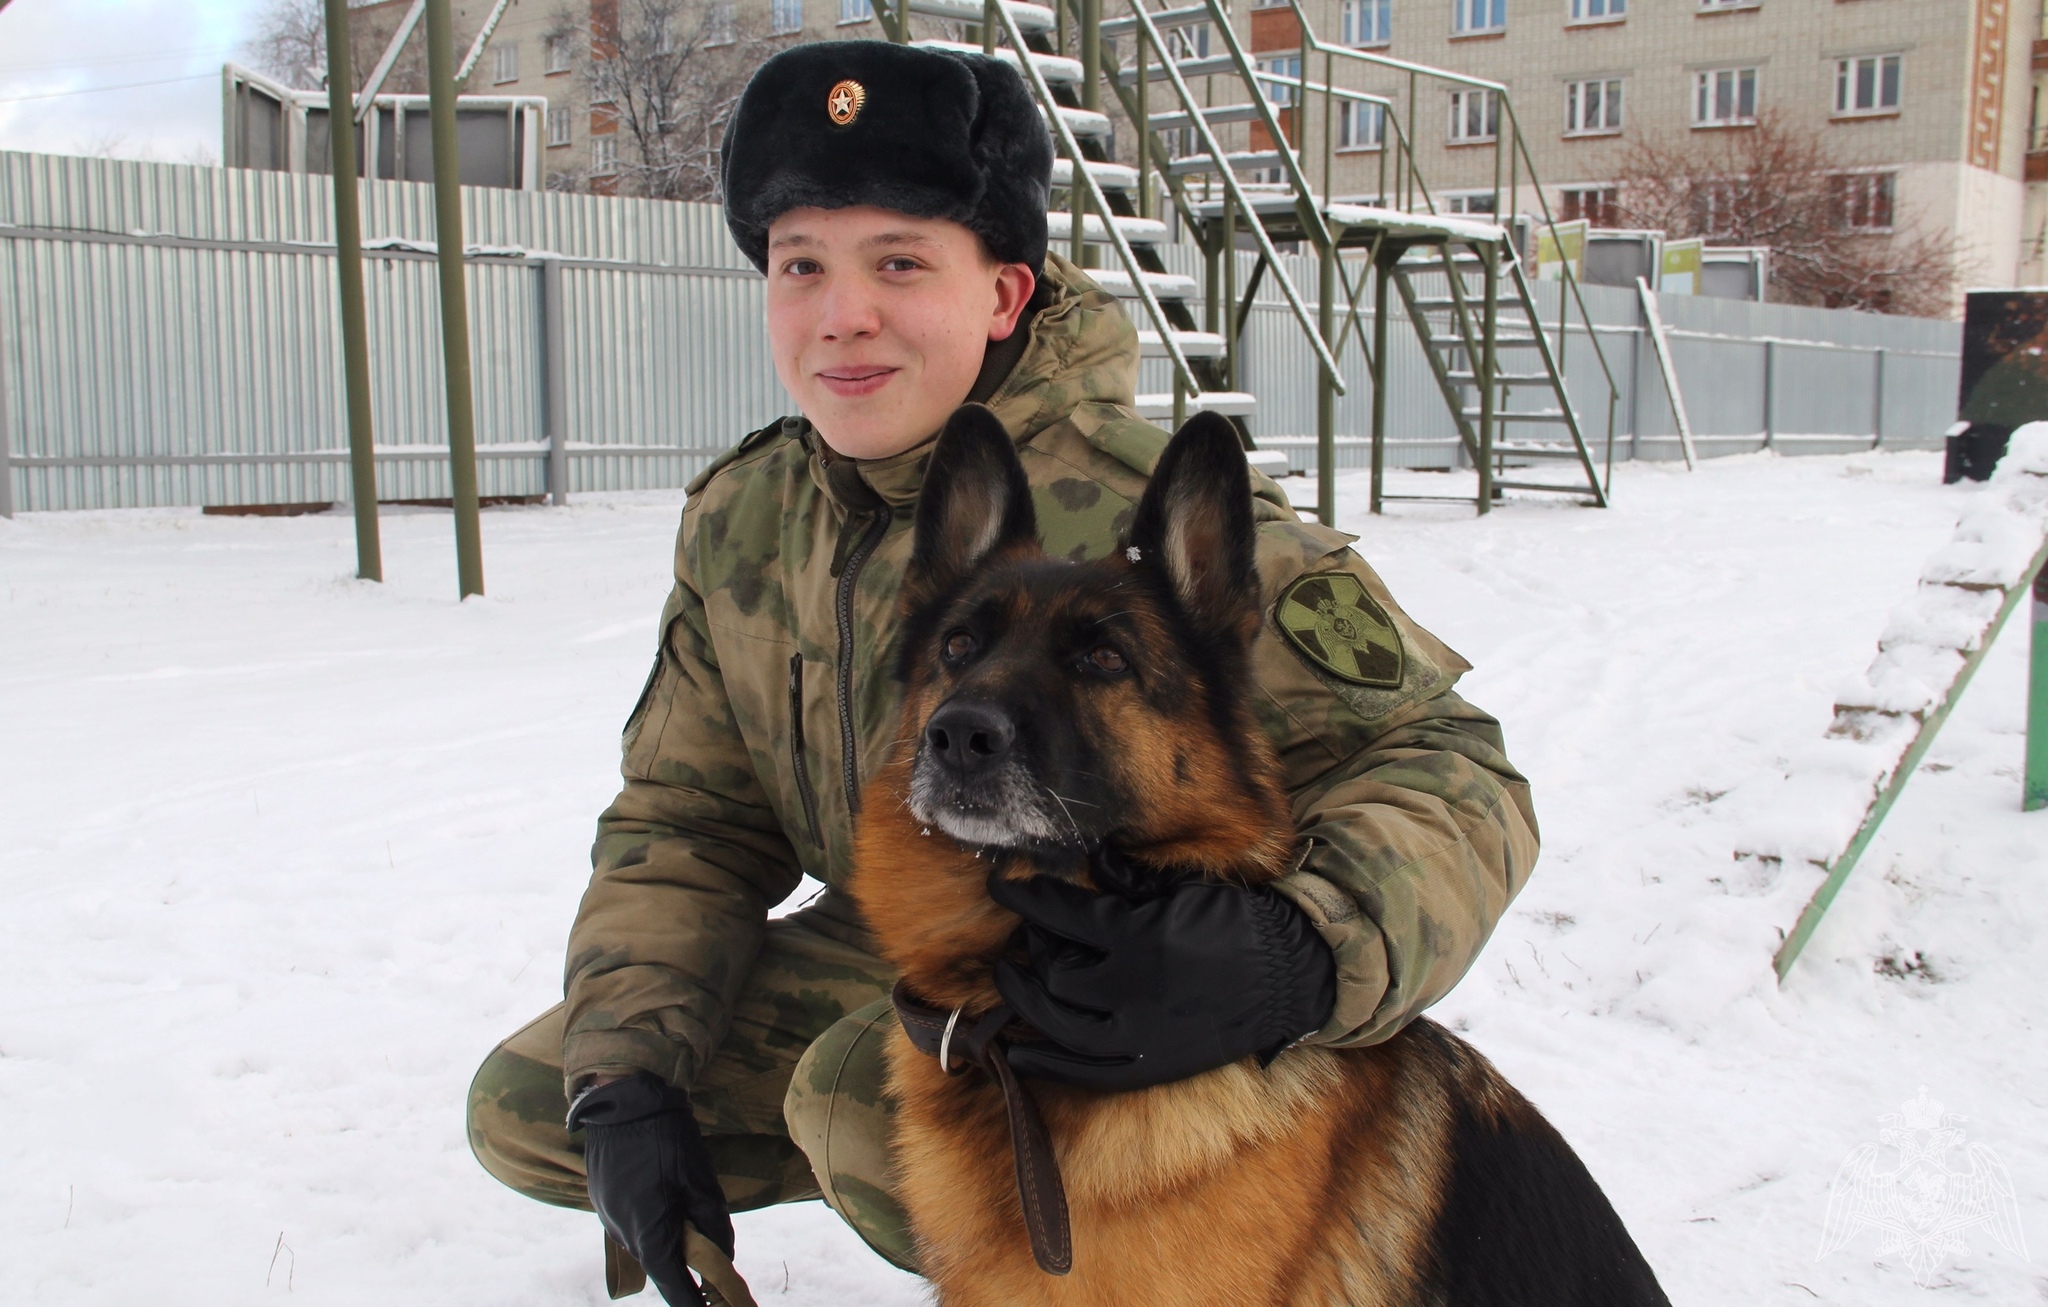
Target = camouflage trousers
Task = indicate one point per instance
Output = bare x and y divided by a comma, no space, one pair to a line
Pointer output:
792,1104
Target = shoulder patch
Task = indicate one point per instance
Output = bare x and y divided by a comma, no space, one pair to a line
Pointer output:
1333,623
747,445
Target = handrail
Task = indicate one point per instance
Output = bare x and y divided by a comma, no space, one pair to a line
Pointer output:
1518,147
1231,187
1097,200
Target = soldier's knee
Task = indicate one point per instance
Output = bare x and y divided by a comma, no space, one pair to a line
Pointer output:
838,1112
516,1129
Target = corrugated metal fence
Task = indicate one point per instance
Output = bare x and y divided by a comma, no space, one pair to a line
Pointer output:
169,335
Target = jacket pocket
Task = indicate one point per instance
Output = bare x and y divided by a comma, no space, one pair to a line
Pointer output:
796,747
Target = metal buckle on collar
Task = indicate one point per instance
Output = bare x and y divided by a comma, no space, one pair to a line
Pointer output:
946,1044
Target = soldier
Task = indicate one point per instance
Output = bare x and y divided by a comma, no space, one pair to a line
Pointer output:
719,1060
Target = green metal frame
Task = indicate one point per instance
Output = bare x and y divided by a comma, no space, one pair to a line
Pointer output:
348,266
1930,726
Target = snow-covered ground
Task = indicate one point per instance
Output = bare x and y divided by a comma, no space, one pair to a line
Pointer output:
282,854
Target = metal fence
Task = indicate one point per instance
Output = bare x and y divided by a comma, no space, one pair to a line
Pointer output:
1753,376
169,336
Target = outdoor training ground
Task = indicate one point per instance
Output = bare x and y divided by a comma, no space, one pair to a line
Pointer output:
285,853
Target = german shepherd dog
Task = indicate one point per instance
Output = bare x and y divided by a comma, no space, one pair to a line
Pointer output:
1408,1172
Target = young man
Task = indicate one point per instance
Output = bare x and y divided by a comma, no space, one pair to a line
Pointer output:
719,1060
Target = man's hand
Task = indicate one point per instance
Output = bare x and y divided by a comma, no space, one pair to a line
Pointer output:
649,1174
1140,991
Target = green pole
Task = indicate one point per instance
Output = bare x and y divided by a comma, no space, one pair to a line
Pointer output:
469,548
2035,794
348,266
1326,390
1382,263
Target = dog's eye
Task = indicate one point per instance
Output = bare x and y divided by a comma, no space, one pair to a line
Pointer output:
959,647
1105,658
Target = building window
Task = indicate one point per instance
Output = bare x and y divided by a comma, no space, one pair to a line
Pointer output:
856,11
785,16
1724,97
1188,42
1592,108
1475,116
559,125
1472,17
1599,11
504,63
557,51
1471,202
1279,92
1862,201
1599,205
1368,22
1713,209
604,155
721,23
1268,4
1361,126
1868,85
1708,6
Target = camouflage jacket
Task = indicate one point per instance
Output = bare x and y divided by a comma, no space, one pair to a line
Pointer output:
771,701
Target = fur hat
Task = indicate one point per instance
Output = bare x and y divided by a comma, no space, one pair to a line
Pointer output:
924,132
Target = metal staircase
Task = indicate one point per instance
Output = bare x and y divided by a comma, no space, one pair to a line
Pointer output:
1461,279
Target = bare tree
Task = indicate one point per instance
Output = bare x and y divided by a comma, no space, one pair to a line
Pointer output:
291,44
668,76
1838,237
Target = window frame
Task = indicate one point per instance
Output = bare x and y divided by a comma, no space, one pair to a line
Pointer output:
1617,12
1288,66
1460,203
1349,9
721,23
865,12
1703,86
604,155
1850,67
1613,104
1726,6
1461,115
1463,10
504,62
1870,181
1347,112
1572,206
560,126
558,55
779,11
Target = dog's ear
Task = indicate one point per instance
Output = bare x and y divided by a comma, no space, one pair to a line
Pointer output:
1195,524
975,502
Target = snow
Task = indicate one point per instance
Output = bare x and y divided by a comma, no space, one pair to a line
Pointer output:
286,853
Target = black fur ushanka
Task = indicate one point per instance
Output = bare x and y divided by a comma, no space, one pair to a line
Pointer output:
937,135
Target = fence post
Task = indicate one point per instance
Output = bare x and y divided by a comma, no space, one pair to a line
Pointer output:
469,546
2034,792
1877,401
6,434
554,380
1770,387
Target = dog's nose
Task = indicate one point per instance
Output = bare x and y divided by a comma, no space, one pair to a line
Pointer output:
970,737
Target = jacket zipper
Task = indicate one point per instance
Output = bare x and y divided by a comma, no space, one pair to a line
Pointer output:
796,747
847,746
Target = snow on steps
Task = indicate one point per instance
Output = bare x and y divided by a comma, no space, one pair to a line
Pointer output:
1812,811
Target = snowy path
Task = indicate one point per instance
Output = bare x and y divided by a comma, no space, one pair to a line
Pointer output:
285,853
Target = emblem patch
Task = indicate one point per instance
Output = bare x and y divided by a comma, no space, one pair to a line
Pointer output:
843,103
1336,625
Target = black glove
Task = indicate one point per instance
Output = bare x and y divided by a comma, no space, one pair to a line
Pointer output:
1138,988
649,1173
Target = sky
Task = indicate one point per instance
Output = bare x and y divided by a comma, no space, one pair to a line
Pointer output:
80,60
